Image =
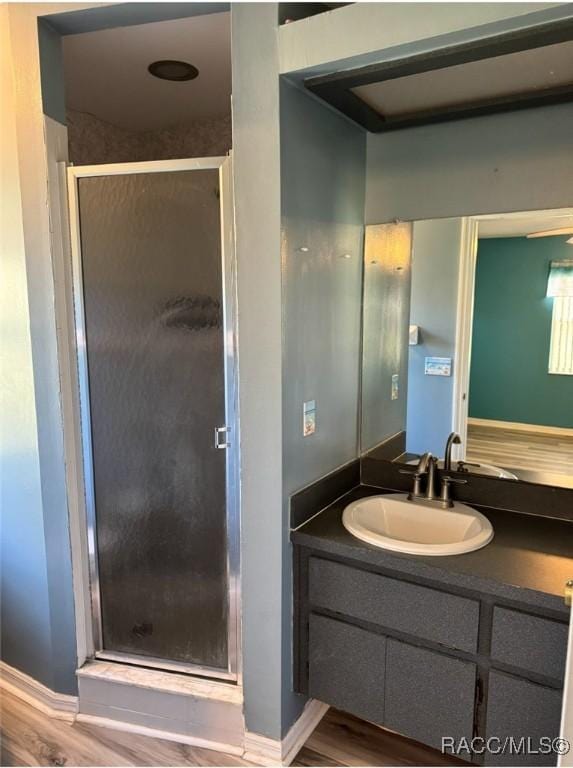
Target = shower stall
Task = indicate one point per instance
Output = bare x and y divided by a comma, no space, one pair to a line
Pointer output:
154,307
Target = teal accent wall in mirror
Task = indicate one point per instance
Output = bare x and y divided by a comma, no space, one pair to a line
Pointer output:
483,356
509,379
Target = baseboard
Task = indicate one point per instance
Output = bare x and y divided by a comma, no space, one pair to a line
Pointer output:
57,705
299,732
155,733
518,427
266,751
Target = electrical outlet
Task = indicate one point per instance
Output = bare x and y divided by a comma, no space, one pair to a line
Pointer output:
309,418
395,389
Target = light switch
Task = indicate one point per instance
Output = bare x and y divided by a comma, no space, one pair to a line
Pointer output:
414,335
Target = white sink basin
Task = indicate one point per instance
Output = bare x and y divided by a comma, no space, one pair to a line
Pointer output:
393,522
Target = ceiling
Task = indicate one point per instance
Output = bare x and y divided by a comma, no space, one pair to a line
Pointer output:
522,69
521,224
106,72
526,71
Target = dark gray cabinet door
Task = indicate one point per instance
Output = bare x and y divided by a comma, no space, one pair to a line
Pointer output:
346,667
522,710
428,695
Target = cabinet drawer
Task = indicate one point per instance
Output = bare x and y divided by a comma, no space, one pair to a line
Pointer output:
521,709
530,642
346,668
426,613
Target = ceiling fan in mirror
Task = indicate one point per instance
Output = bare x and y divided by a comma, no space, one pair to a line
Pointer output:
554,233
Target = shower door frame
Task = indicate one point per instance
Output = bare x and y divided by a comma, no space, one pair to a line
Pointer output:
94,644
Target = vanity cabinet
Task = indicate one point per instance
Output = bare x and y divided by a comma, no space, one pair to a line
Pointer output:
414,691
521,709
532,643
427,660
428,694
433,615
347,667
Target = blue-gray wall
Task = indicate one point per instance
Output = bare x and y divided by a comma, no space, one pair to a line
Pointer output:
463,168
52,71
386,316
433,307
25,611
256,171
128,14
517,161
509,380
37,616
322,209
37,608
52,27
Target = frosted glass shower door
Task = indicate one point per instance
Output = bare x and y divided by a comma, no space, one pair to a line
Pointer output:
150,271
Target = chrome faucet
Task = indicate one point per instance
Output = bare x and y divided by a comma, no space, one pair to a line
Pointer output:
427,467
453,439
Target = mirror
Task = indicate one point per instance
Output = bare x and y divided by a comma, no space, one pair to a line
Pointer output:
468,329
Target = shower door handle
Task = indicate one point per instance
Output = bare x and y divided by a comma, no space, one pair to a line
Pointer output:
221,434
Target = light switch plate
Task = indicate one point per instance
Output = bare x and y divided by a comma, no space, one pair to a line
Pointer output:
309,418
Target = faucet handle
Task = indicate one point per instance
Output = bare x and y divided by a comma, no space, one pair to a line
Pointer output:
447,481
462,466
417,475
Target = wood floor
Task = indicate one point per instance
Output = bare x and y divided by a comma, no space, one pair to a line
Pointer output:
529,451
32,738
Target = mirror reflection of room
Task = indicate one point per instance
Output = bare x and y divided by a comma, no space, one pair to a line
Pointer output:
479,371
521,385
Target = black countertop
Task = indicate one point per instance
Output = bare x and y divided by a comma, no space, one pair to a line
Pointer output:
528,561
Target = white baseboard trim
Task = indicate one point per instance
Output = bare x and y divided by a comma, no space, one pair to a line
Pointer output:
58,705
518,427
299,732
155,733
266,751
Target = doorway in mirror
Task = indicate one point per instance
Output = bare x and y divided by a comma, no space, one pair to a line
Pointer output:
476,321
